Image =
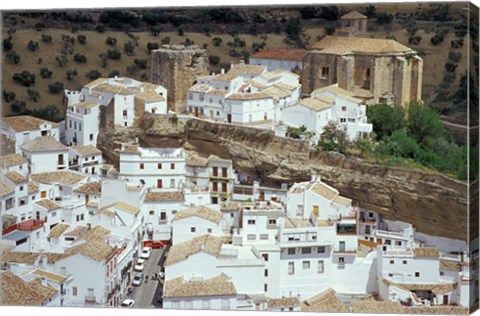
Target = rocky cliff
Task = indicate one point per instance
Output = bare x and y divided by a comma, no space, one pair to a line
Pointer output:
434,203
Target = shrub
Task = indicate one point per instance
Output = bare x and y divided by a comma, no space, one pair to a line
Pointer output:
25,78
400,144
71,73
129,47
458,43
384,18
93,74
217,41
180,31
45,73
385,119
46,38
144,77
258,46
154,31
62,60
214,60
7,44
329,29
100,28
152,46
390,36
82,39
455,56
33,94
245,55
79,58
411,30
32,46
68,39
13,57
103,60
18,106
141,63
132,69
450,67
166,40
114,73
9,96
111,41
423,122
50,112
415,40
234,53
114,54
188,42
55,87
205,45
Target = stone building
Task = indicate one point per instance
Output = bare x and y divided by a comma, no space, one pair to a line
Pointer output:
176,67
353,24
375,70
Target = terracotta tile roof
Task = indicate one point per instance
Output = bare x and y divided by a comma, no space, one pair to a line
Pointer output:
201,212
199,87
86,150
425,252
12,160
44,143
47,204
225,77
97,233
438,310
217,92
342,200
276,92
5,189
32,187
49,275
16,291
94,188
210,244
149,96
15,177
255,84
62,176
58,230
196,161
28,257
436,288
107,213
339,92
315,104
277,53
163,196
450,265
323,190
343,45
26,122
129,148
325,301
354,15
97,251
106,87
373,307
285,86
95,82
245,69
217,286
124,207
248,96
283,302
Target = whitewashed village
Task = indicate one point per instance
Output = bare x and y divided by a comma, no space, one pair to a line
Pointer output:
166,227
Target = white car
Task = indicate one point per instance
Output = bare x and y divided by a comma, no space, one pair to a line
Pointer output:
128,303
137,279
161,275
146,252
140,265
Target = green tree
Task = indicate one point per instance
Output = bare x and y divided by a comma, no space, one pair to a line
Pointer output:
55,87
45,73
114,73
363,145
82,39
25,78
423,122
111,41
93,74
129,48
46,38
401,145
13,57
334,137
71,73
32,46
9,96
386,119
217,41
152,46
114,54
141,63
214,60
80,58
166,40
7,44
33,94
329,29
18,106
62,60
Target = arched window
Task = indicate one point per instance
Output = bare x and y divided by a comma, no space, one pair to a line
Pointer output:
324,70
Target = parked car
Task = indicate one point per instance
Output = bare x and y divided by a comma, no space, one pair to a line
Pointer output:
146,252
140,265
128,303
137,279
161,275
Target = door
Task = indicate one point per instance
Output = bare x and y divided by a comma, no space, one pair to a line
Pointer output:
315,210
43,194
341,246
159,184
214,187
445,300
87,198
211,114
196,111
224,187
229,118
262,196
367,229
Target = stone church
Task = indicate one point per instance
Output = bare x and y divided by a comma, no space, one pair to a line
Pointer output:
375,70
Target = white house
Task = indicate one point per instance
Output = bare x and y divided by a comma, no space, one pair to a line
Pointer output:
290,59
13,162
82,123
85,158
195,222
22,129
161,168
45,154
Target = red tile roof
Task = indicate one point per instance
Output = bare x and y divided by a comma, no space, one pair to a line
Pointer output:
277,53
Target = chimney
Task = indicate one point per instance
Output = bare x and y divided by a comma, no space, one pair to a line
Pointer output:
223,71
44,281
231,64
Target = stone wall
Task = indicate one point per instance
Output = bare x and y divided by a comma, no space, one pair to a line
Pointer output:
176,67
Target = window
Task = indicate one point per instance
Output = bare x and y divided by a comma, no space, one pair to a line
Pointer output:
392,261
265,256
264,236
193,229
224,173
21,188
125,113
74,291
80,126
54,214
306,265
325,71
265,272
172,183
91,137
265,287
172,166
74,125
70,123
417,274
163,216
306,250
225,304
291,251
398,243
251,222
159,166
151,213
251,237
343,120
320,266
142,166
321,249
209,230
344,108
190,96
390,275
291,268
205,304
159,183
404,261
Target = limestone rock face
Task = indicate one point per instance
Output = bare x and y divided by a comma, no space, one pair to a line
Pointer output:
433,203
176,67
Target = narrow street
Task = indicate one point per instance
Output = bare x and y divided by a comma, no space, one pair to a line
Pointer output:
144,295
